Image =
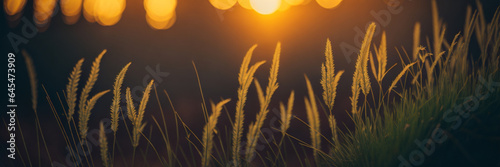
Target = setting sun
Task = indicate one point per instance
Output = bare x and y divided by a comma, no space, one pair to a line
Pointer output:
265,7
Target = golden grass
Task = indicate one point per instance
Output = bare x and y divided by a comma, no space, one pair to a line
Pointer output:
72,87
94,73
381,58
85,114
137,116
329,80
130,105
286,114
333,126
245,78
416,41
115,105
313,119
400,75
103,143
360,78
208,132
254,129
32,76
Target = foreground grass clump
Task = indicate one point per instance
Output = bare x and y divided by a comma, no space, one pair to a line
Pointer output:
443,92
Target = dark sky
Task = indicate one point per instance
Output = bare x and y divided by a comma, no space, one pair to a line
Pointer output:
217,41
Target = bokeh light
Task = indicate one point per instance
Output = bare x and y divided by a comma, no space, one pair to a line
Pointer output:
13,7
108,12
71,9
88,10
43,11
265,7
284,6
223,4
161,25
160,14
245,4
328,4
294,2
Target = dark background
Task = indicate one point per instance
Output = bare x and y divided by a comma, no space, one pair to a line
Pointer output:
216,41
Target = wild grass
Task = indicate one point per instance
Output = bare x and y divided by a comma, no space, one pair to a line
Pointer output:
208,132
84,108
72,87
329,82
286,113
245,78
313,119
115,105
103,143
361,81
436,87
136,117
264,100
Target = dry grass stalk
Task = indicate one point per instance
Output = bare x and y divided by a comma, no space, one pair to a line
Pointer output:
254,131
329,80
245,78
361,79
130,105
286,114
416,41
72,87
85,114
94,73
333,126
396,80
137,116
313,119
115,105
32,76
208,132
103,143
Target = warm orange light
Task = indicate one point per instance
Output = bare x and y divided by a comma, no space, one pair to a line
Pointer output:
43,11
13,7
328,4
160,10
71,7
88,10
223,4
265,7
160,14
294,2
108,12
161,25
283,6
245,4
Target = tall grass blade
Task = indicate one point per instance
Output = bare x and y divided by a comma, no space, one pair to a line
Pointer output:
85,114
254,131
94,73
360,78
208,132
286,114
115,105
103,143
313,119
245,78
72,87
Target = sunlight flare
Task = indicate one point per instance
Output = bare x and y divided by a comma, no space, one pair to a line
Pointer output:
265,7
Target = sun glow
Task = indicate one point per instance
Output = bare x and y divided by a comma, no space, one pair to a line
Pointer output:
328,4
265,7
223,4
